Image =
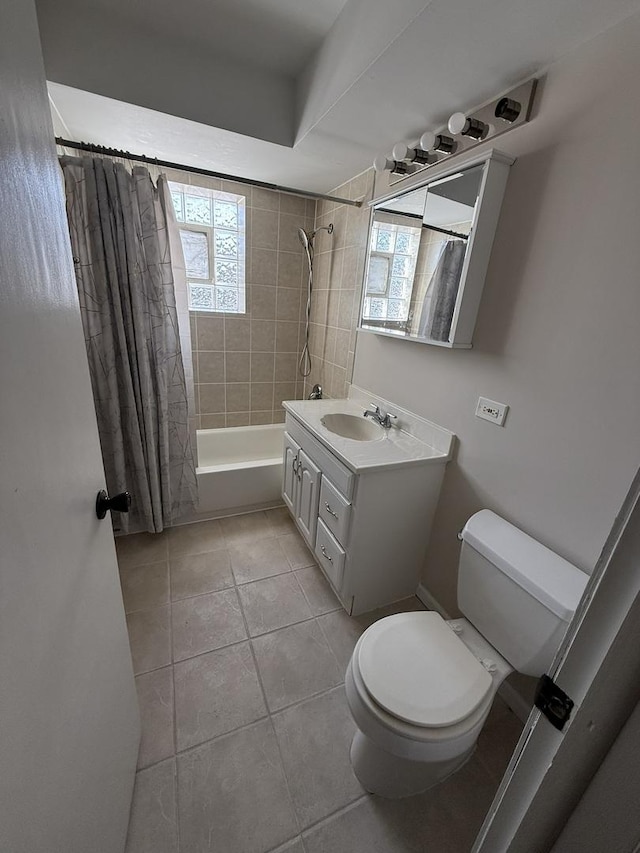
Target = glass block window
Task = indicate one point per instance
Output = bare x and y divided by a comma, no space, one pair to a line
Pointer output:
212,232
393,254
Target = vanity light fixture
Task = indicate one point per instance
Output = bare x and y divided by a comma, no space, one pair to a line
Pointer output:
459,123
402,151
464,131
430,141
396,167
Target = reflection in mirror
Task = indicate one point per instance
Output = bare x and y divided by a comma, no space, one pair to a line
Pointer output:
416,253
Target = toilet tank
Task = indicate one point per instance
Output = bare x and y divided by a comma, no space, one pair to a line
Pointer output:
518,594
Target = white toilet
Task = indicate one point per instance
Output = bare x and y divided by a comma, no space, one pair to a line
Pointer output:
420,688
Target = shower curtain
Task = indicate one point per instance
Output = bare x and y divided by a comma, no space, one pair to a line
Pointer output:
119,224
440,297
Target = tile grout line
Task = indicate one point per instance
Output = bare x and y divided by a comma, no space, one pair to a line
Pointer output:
268,709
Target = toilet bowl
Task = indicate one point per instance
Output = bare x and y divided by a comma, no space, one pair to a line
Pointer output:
420,725
420,688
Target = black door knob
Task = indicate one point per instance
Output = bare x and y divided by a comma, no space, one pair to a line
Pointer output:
120,503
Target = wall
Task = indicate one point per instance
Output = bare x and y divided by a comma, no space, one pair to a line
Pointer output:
337,280
557,333
245,365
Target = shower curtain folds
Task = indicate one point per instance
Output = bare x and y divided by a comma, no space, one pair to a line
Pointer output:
119,228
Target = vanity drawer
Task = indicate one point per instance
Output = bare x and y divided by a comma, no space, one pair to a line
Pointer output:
330,555
334,510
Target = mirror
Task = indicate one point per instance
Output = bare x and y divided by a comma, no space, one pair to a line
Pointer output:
418,256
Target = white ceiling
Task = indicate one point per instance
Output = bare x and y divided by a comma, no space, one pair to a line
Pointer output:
285,91
278,35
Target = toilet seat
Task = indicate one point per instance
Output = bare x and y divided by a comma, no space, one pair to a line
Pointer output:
415,667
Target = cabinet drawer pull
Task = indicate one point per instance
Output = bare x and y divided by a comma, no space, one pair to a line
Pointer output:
325,555
329,510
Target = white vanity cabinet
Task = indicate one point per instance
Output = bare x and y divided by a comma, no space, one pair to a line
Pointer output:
368,527
301,488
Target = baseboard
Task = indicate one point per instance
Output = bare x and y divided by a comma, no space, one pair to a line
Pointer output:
508,694
430,602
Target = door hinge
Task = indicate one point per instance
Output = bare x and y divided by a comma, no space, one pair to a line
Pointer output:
553,702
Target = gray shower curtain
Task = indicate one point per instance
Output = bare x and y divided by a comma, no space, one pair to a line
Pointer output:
440,297
120,243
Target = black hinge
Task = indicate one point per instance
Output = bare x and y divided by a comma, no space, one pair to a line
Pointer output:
553,702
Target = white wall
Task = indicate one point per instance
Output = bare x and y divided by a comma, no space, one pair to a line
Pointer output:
558,335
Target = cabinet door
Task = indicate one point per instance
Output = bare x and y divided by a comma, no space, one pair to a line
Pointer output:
308,497
289,479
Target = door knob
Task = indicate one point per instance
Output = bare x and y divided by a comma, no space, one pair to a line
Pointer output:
120,503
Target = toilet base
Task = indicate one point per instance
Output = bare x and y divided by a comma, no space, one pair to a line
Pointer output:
379,772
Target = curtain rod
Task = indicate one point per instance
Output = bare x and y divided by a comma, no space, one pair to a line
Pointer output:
424,224
166,164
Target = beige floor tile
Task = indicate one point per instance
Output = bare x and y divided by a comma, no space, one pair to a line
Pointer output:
273,603
205,623
153,824
342,633
155,698
145,586
498,739
374,825
233,796
241,529
293,846
199,573
215,694
149,639
138,549
195,538
259,559
315,738
317,590
295,663
298,554
281,521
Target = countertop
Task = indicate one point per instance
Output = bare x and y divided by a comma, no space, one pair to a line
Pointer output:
395,448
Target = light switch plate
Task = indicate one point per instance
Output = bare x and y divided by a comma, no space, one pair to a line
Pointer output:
491,411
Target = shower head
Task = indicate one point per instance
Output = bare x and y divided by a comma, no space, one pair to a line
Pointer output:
307,239
304,237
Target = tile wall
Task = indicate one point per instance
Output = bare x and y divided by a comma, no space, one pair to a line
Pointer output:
339,267
245,365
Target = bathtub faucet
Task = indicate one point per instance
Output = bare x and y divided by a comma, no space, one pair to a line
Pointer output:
316,392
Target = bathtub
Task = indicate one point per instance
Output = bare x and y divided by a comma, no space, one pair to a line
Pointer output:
239,469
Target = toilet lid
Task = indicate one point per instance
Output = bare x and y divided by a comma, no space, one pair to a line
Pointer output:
415,667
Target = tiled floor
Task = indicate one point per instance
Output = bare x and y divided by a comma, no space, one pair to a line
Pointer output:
239,648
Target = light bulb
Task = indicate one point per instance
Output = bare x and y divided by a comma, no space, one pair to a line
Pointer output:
468,126
430,141
401,151
457,123
427,140
382,163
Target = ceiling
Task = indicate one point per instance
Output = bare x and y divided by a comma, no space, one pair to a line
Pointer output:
297,92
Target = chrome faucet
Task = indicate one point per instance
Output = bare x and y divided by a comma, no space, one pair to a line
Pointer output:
385,419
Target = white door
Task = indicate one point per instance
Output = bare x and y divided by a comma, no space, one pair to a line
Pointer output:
308,497
597,666
69,725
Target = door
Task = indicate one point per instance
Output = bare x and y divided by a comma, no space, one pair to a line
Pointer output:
308,497
69,726
598,666
289,478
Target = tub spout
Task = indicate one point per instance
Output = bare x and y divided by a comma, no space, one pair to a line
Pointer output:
316,392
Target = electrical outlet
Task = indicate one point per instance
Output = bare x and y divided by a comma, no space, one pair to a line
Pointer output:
489,410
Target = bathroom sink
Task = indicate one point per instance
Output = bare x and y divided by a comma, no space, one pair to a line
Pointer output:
352,426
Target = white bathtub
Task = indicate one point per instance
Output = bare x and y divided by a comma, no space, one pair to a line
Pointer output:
239,469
